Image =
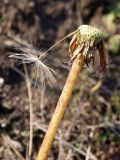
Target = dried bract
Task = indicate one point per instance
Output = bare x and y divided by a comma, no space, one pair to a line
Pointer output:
85,42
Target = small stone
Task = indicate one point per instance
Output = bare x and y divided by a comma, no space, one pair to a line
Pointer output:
3,125
1,81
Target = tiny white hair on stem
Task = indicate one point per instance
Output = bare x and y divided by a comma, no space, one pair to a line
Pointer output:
31,55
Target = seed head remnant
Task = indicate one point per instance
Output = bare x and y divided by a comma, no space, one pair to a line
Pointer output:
85,42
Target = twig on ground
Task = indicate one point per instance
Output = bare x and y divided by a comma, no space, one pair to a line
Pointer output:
103,125
10,144
89,147
61,150
78,8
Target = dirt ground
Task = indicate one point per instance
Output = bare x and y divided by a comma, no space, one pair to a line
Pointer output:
91,124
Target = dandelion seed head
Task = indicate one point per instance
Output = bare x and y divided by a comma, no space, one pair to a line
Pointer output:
90,33
85,42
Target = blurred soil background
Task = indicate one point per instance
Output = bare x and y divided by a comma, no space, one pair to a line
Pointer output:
91,125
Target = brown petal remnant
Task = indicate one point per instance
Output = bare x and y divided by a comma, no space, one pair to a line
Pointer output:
85,42
102,54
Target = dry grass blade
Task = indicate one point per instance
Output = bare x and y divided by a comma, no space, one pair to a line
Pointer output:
28,82
89,146
11,144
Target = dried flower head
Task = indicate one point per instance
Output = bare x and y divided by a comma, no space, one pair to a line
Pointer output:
85,42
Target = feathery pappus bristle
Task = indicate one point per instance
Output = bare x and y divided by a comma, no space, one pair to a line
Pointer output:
31,55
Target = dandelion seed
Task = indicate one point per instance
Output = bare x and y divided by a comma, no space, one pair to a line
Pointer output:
30,55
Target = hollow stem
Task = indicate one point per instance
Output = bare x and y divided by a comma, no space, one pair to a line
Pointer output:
60,108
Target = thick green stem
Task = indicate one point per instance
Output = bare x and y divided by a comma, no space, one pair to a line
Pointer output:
60,108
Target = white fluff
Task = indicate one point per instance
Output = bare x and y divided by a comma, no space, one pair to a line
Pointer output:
29,54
